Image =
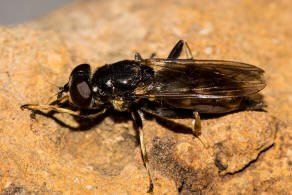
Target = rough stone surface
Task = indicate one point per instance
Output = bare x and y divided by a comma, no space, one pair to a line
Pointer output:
250,151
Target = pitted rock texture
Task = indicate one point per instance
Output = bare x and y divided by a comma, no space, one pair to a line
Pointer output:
250,152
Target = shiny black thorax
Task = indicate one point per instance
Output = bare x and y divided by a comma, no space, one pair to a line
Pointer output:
118,80
110,85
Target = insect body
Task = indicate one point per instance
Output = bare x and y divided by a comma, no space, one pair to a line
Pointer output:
168,88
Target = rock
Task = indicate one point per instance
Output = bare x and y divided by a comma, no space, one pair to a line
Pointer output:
249,151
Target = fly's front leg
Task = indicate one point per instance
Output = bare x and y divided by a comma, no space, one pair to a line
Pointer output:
139,127
56,108
94,115
60,100
197,130
52,106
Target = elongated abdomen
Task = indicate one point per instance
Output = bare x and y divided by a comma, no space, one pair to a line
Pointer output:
223,105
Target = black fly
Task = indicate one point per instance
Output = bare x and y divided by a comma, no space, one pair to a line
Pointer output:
167,88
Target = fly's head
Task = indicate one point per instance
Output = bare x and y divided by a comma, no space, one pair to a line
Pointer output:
111,85
79,88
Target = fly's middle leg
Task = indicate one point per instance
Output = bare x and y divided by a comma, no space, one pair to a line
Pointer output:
197,125
139,127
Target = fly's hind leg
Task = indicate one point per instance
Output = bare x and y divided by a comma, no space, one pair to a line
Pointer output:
168,114
188,51
174,53
139,127
197,130
177,49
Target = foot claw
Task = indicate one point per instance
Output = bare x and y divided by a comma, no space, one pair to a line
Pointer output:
32,115
150,190
22,107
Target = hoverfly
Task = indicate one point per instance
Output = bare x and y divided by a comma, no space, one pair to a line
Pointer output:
167,88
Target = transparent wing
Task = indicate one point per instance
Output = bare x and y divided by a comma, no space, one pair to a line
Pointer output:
188,78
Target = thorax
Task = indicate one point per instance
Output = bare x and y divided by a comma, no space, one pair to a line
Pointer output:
116,82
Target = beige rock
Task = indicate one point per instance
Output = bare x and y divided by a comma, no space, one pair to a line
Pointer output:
250,151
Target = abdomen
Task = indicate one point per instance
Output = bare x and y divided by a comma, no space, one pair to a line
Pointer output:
223,105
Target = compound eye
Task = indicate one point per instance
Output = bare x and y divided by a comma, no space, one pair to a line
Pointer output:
79,87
